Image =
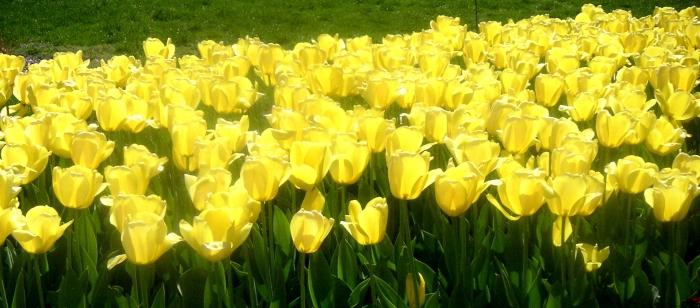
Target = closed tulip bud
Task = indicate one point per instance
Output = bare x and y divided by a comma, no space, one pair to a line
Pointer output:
153,47
670,199
39,230
548,89
216,232
664,137
184,135
521,191
309,162
75,187
262,176
126,206
632,174
137,154
200,187
687,163
90,148
519,133
349,159
145,239
9,188
374,130
613,130
593,257
367,226
415,289
8,216
309,229
110,109
30,160
458,188
409,174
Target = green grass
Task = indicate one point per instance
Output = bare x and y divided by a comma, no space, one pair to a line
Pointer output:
102,28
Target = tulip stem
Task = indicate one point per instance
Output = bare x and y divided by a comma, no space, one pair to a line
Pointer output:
525,256
251,281
407,241
563,260
37,276
302,279
372,263
628,213
2,283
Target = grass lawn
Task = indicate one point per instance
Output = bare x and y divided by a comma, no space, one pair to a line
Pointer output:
102,28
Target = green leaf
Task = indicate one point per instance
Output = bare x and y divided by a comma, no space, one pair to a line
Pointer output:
345,264
190,285
358,293
72,289
681,277
391,298
159,300
280,227
320,280
18,297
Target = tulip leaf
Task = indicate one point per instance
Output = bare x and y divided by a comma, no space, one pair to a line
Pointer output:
18,298
280,227
72,289
358,293
345,263
190,285
159,300
388,293
681,277
320,280
431,301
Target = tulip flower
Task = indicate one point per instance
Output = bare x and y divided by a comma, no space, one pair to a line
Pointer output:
90,148
349,159
367,226
521,191
29,160
62,129
593,257
76,186
569,195
632,174
474,148
137,154
200,187
309,229
678,105
39,229
664,137
127,180
409,174
583,106
9,188
643,122
519,133
233,96
374,130
145,239
309,163
126,206
184,135
232,133
613,130
216,232
8,216
262,176
671,199
153,47
415,289
687,163
407,139
381,92
458,188
548,89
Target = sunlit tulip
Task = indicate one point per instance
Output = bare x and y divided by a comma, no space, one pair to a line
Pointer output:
583,106
136,154
414,291
9,188
216,232
409,174
593,257
8,216
62,129
678,105
482,152
548,89
145,239
29,160
235,95
128,180
521,191
632,174
670,199
474,51
569,195
404,138
90,148
119,68
687,163
126,206
76,186
458,188
349,159
613,130
664,137
233,133
309,229
381,92
374,130
367,226
184,136
200,187
262,176
153,47
39,229
519,133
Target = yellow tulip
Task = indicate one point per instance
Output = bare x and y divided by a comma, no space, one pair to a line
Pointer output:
236,198
670,199
632,174
519,133
38,231
62,128
309,229
233,133
262,176
474,148
185,134
633,74
474,51
414,290
458,188
613,130
90,148
642,124
381,92
325,79
127,180
409,174
76,186
569,195
136,154
583,106
200,187
678,105
145,239
664,137
593,257
126,206
521,191
309,161
118,69
153,47
235,95
367,226
216,232
29,160
687,163
9,188
8,216
405,138
349,159
548,89
111,110
374,130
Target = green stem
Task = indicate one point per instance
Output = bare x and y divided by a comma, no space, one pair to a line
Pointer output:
627,218
525,256
372,263
228,283
2,283
302,279
37,278
252,293
563,261
143,285
271,244
409,244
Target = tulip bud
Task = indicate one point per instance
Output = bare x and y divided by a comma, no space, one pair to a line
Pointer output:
593,257
415,289
145,239
309,162
349,159
548,89
262,176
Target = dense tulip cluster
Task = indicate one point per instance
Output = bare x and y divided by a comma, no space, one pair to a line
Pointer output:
575,114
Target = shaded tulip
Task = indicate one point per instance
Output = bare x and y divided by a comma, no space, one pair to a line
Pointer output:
29,160
8,216
521,191
415,289
145,239
126,206
9,188
670,199
458,188
262,176
309,229
216,232
76,186
593,257
632,174
39,229
349,159
90,148
367,226
409,174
